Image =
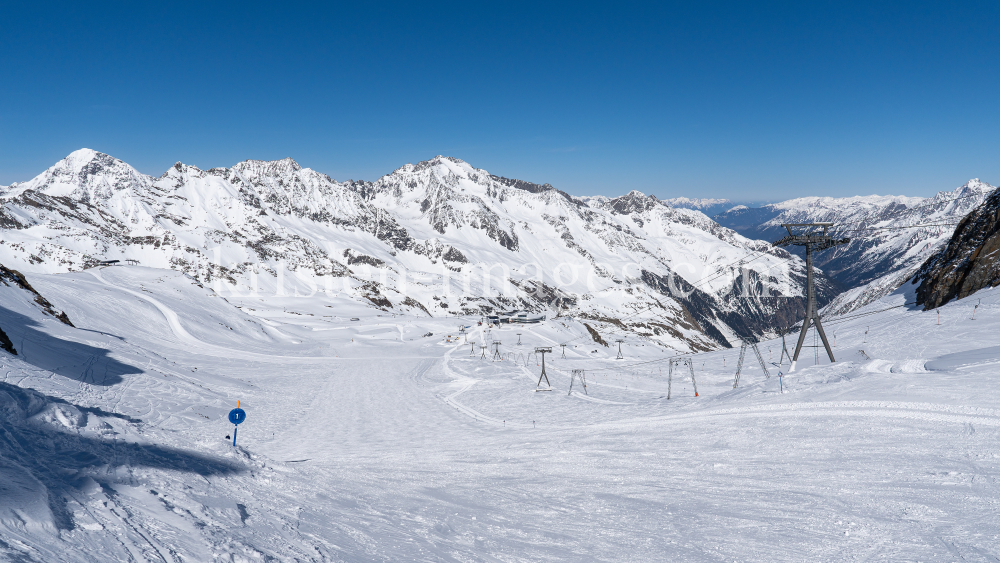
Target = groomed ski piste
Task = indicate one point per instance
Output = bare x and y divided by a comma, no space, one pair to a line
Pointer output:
367,440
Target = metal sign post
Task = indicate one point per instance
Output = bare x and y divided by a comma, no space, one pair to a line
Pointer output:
237,416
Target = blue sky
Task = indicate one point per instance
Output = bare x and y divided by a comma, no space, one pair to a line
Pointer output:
751,101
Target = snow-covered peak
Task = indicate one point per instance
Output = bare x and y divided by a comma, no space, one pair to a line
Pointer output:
283,168
971,189
439,164
633,202
694,203
978,185
84,174
80,157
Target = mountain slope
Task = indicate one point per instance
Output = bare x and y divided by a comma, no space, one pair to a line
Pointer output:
438,236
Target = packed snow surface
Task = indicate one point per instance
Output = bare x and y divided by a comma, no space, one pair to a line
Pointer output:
370,440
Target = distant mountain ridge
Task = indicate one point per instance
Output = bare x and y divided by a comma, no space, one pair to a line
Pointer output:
415,240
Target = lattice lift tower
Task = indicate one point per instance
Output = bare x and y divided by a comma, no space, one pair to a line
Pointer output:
814,237
544,350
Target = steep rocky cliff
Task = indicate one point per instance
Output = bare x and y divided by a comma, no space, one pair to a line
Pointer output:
970,261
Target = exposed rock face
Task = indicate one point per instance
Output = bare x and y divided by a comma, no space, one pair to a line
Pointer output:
970,261
7,277
5,344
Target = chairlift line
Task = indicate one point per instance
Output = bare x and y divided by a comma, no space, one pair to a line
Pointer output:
896,228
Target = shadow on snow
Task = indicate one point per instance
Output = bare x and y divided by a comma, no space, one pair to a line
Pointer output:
33,449
62,357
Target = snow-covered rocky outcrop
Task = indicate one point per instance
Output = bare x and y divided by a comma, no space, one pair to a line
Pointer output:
439,236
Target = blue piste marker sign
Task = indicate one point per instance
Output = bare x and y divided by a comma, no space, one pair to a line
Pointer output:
237,416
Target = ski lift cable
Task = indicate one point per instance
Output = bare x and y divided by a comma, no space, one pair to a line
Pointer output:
899,228
932,202
928,204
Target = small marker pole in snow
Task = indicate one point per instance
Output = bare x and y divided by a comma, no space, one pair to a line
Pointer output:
939,316
237,416
974,309
866,334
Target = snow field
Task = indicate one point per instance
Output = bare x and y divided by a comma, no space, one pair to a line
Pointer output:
366,441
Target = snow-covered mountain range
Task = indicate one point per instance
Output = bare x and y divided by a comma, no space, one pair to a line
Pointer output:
891,235
439,237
